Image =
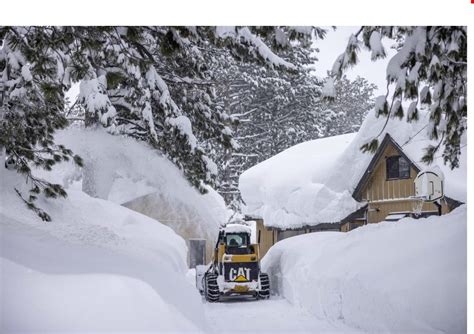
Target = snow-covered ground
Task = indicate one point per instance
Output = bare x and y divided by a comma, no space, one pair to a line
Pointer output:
408,276
275,315
97,266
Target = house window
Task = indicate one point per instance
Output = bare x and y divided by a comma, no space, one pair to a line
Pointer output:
398,168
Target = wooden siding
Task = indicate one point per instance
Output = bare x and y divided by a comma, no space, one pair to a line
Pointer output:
267,237
349,226
380,188
379,210
346,227
284,234
391,195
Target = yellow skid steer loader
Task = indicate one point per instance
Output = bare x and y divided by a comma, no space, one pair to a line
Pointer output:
235,267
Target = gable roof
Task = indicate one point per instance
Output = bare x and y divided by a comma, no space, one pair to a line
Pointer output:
387,140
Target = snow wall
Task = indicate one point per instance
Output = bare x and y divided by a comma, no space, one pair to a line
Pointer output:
130,173
97,266
408,276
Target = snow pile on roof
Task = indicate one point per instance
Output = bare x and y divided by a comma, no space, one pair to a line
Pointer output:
288,190
96,267
237,228
313,182
365,278
128,172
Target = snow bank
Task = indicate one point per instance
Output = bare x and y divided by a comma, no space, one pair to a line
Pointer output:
128,172
313,182
96,267
34,301
288,189
408,276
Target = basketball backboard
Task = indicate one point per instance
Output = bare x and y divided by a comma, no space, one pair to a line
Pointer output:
429,186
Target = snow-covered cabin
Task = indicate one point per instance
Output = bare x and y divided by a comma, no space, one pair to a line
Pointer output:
328,181
387,188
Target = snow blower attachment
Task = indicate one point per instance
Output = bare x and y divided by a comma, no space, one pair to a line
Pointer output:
235,267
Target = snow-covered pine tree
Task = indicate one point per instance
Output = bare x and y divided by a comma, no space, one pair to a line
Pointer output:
278,109
31,103
149,83
347,109
263,101
152,83
181,115
267,129
429,69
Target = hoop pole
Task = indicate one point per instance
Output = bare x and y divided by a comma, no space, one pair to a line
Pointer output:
439,206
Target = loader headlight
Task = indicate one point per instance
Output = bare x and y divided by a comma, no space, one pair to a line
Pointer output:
227,258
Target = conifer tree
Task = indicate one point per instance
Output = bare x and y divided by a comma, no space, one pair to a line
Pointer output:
346,111
31,105
152,83
429,69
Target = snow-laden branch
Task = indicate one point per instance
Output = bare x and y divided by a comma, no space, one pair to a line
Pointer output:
237,35
93,95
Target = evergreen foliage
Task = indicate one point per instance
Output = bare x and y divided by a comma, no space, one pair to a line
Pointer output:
429,70
31,105
156,84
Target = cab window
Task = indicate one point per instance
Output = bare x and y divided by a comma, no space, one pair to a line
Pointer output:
236,240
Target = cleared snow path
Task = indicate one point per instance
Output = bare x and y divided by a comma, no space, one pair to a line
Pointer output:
275,315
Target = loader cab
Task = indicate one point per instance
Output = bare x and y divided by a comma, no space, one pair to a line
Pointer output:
236,240
238,243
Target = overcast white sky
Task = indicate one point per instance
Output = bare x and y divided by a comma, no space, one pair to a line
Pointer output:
335,43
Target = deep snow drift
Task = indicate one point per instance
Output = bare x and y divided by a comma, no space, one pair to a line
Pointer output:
408,276
130,173
313,182
96,267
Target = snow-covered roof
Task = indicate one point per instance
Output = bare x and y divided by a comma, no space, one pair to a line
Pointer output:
313,182
288,190
237,228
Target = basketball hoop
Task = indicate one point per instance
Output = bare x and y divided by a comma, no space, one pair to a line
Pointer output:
428,188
